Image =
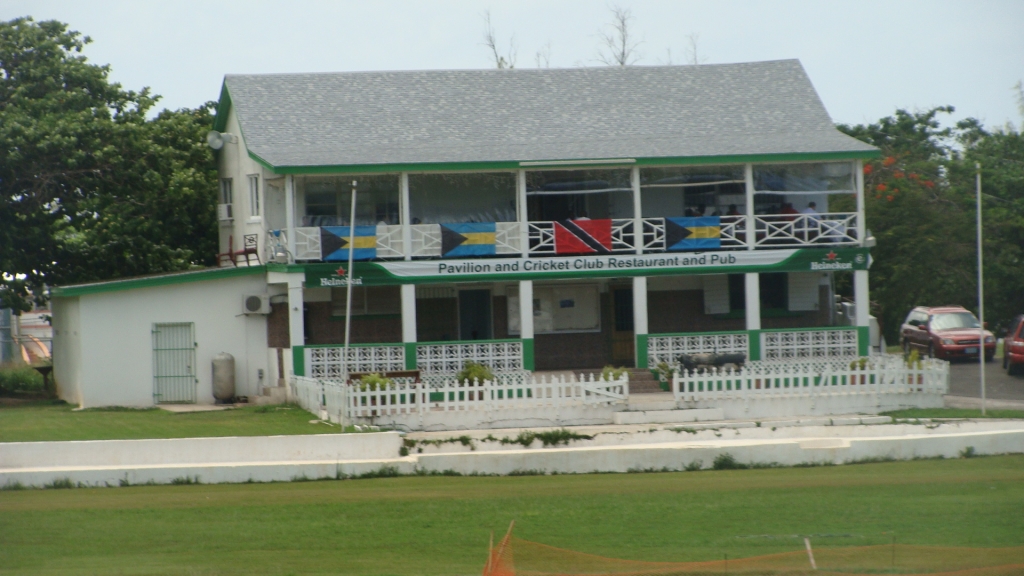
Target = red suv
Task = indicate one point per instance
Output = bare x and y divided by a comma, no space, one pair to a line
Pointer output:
945,332
1013,346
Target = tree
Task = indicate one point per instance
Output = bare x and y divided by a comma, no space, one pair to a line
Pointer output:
89,188
501,61
619,47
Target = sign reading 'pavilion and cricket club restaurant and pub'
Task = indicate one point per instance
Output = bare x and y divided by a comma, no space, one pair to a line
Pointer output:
508,269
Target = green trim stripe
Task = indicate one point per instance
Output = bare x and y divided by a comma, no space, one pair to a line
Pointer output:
754,344
299,360
152,281
528,355
863,340
410,355
220,120
641,350
562,163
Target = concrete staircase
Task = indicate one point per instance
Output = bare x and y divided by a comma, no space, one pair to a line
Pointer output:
641,381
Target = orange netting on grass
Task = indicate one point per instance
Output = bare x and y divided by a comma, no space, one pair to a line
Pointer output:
515,557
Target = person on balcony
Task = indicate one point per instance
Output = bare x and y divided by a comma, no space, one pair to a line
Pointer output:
733,211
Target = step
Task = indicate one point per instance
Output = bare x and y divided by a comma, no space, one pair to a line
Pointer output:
644,387
668,416
641,402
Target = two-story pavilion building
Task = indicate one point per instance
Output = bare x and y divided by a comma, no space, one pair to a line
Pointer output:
546,219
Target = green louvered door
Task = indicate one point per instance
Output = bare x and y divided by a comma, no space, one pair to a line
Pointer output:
174,363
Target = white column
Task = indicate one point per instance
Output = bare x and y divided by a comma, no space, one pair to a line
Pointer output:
639,305
289,216
408,312
858,175
526,309
403,202
748,177
861,297
638,225
752,296
523,216
296,323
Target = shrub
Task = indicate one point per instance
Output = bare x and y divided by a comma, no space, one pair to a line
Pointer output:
20,378
859,364
913,359
610,373
727,461
664,371
373,382
474,371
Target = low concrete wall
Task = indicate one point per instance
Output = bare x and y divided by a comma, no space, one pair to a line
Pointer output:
768,406
502,418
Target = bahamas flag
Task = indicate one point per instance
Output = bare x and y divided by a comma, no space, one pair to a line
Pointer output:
467,239
334,243
701,233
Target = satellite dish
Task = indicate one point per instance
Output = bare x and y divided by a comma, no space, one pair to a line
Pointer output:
214,140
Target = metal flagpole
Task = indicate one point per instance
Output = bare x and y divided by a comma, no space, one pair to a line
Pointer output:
981,295
348,276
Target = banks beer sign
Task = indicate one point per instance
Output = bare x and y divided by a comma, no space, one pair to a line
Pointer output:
608,266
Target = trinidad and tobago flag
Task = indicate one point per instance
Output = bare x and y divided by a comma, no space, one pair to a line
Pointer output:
700,233
583,237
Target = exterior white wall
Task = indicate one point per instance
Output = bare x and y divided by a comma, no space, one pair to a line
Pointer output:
233,162
716,294
803,290
67,349
115,362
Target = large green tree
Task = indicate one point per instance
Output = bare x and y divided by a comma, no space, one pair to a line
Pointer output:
920,205
90,188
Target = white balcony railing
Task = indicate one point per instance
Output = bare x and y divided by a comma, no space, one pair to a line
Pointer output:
784,230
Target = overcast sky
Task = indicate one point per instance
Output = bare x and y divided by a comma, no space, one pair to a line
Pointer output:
866,58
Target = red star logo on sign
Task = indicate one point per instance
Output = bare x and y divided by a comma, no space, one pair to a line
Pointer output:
340,271
831,255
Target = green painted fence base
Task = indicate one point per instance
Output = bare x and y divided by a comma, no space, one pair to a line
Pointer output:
754,344
863,340
528,354
641,351
299,360
410,355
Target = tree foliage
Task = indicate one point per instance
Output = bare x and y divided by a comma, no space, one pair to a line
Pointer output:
920,205
91,189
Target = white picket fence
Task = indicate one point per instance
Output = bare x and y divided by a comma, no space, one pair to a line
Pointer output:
347,403
873,375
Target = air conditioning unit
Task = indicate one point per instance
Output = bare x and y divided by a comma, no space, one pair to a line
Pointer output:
224,213
256,304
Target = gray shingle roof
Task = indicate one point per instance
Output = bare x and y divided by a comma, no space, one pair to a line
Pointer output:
538,114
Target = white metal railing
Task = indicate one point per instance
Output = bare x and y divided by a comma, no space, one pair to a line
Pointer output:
668,347
389,241
784,230
818,343
883,374
307,243
449,357
331,363
345,403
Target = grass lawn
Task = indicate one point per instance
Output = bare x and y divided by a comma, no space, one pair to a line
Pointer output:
46,421
953,413
440,525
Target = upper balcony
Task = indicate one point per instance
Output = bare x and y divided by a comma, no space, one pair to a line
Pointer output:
573,212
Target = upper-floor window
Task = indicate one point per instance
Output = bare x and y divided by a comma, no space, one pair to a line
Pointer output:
693,191
809,187
455,198
328,199
225,191
254,195
575,194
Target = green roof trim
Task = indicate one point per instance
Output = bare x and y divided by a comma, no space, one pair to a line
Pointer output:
220,120
564,164
183,277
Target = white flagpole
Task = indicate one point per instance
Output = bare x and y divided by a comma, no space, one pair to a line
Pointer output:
981,294
348,279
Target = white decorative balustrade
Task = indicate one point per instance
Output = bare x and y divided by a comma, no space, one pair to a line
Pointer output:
450,357
668,347
888,374
813,343
786,230
307,243
331,363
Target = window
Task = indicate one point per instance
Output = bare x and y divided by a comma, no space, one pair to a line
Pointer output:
570,194
774,291
793,188
225,191
368,300
454,198
561,308
254,195
328,199
703,191
952,321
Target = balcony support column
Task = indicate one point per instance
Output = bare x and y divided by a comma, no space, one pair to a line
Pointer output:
751,229
409,324
640,321
638,218
858,174
522,213
526,321
861,310
752,298
289,214
403,202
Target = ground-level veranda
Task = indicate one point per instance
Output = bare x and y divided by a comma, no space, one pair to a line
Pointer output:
574,323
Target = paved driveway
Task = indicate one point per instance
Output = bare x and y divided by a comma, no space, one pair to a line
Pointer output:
964,380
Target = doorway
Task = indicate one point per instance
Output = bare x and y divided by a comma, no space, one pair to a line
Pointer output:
174,363
474,314
623,341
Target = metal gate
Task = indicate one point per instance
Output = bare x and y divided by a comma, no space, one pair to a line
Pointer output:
174,363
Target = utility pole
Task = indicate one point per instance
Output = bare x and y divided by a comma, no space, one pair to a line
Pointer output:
348,276
981,294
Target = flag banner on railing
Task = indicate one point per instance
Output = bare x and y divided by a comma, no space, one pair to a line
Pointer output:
334,243
468,239
583,237
700,233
